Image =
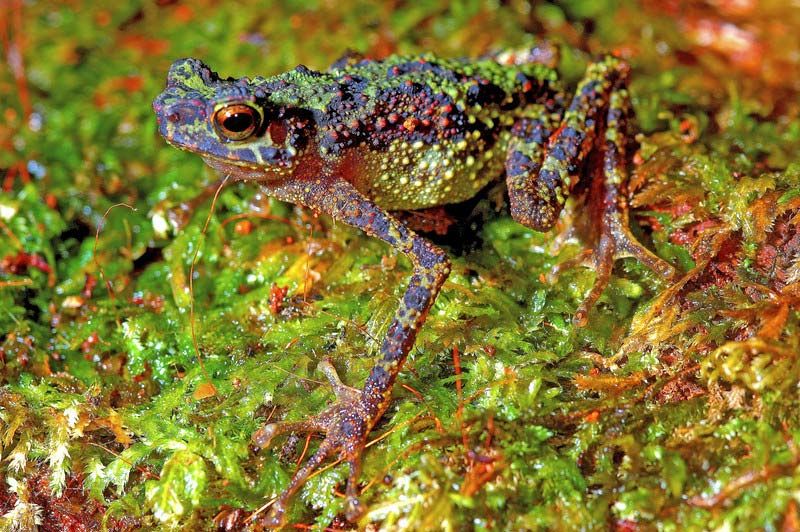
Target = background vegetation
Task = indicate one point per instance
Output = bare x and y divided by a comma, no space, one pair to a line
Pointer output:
675,408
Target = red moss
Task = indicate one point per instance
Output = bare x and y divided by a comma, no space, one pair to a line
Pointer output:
74,511
775,256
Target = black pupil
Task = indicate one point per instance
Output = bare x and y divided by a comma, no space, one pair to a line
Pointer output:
238,122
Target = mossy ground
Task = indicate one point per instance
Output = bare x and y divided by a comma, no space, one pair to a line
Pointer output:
675,408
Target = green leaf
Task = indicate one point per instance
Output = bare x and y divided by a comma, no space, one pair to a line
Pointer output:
179,489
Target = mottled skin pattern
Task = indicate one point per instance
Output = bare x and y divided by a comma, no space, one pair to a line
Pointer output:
369,137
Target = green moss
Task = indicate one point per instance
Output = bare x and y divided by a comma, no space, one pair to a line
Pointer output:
673,408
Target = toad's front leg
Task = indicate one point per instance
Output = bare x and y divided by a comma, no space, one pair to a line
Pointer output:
347,422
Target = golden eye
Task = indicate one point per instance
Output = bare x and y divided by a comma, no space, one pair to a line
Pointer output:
237,121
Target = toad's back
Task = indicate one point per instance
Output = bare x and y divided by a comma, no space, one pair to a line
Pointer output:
424,131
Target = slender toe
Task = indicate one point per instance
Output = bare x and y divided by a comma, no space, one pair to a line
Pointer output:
341,390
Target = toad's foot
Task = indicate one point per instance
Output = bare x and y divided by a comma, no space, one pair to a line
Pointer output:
346,424
614,242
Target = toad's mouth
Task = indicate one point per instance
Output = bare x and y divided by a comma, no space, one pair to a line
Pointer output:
214,161
252,157
246,171
222,164
251,163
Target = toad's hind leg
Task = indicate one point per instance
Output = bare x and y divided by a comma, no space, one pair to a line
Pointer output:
348,421
543,167
608,207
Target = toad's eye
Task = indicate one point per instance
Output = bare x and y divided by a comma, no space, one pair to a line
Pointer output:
237,121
